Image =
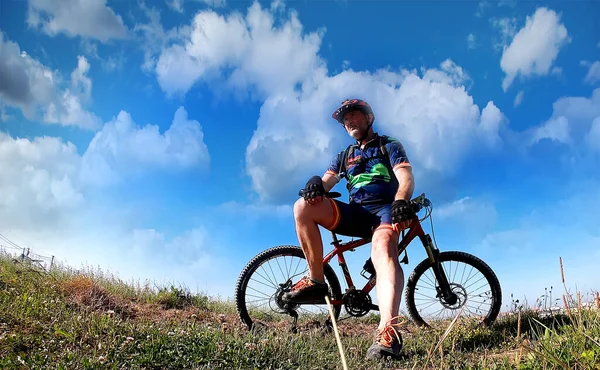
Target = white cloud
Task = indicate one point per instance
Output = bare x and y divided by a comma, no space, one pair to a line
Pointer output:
593,74
49,200
44,180
35,89
272,60
431,112
519,98
88,19
507,28
593,136
176,5
153,37
37,181
535,47
555,129
471,41
571,120
122,148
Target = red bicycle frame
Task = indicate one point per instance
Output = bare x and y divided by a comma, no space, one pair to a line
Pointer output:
414,231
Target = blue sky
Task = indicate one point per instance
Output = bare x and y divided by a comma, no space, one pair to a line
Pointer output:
166,140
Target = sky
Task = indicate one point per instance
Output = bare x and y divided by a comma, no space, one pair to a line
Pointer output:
166,141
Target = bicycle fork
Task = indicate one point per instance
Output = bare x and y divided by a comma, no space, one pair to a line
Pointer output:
444,289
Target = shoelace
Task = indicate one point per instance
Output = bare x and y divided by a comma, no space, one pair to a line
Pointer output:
384,337
304,282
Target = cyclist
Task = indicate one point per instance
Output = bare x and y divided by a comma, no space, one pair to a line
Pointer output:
380,187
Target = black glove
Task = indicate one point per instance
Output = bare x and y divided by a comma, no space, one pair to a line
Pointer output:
402,210
313,188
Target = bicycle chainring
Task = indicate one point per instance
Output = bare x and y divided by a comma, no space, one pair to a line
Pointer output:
357,303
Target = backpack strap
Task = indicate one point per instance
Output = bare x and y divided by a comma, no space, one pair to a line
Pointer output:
384,153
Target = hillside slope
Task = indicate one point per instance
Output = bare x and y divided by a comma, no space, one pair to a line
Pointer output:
70,319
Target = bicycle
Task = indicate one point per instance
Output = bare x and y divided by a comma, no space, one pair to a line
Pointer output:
357,301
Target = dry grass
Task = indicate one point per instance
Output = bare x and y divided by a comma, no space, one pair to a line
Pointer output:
80,320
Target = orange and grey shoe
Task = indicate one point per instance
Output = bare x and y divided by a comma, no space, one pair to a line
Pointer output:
387,343
307,291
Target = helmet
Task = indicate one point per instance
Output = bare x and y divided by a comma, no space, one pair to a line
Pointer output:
349,105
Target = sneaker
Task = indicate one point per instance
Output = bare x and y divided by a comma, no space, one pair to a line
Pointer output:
387,343
307,291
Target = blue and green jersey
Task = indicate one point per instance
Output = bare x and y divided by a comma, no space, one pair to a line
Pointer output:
369,174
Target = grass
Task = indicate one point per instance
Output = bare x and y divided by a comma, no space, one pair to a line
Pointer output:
69,319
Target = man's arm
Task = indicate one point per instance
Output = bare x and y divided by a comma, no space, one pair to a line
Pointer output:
406,182
330,180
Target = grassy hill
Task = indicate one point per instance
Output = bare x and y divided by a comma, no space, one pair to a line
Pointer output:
71,319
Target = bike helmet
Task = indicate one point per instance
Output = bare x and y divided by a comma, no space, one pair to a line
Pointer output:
349,105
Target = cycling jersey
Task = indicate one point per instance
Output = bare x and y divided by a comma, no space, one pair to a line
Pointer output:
369,172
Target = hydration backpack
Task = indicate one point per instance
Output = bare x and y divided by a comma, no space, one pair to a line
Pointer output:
350,149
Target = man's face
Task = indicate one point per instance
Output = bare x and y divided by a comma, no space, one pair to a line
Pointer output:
356,123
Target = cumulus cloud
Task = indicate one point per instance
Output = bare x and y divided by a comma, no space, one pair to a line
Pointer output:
51,200
88,19
37,181
535,47
259,54
39,92
555,129
45,180
430,111
572,120
122,148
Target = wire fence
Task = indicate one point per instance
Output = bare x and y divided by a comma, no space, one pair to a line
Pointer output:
25,255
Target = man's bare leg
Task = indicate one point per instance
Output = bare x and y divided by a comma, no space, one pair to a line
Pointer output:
308,217
390,277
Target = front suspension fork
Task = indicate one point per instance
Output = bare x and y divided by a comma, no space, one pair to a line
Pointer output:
443,287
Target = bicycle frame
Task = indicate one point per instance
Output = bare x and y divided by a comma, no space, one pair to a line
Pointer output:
415,230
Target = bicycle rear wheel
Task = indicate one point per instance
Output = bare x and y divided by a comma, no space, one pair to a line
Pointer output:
463,271
259,285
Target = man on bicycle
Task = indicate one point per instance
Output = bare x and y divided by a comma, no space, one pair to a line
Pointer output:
380,187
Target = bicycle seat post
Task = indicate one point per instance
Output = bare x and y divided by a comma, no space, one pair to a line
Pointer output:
335,241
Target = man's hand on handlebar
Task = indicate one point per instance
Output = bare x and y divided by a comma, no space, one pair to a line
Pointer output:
402,213
314,191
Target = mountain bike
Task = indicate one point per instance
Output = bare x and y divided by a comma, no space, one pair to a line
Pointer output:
436,274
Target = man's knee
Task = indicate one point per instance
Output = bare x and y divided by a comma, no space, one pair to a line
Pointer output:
299,208
385,241
303,210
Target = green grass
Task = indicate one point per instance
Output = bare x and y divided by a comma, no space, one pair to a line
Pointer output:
70,319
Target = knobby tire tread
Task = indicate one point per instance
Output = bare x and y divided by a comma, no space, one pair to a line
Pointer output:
255,262
455,256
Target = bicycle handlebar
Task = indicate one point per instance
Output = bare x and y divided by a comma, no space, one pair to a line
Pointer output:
420,202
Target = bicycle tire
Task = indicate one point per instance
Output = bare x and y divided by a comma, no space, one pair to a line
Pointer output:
455,256
256,261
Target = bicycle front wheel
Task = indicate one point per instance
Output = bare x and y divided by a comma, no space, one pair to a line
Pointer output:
258,291
475,284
